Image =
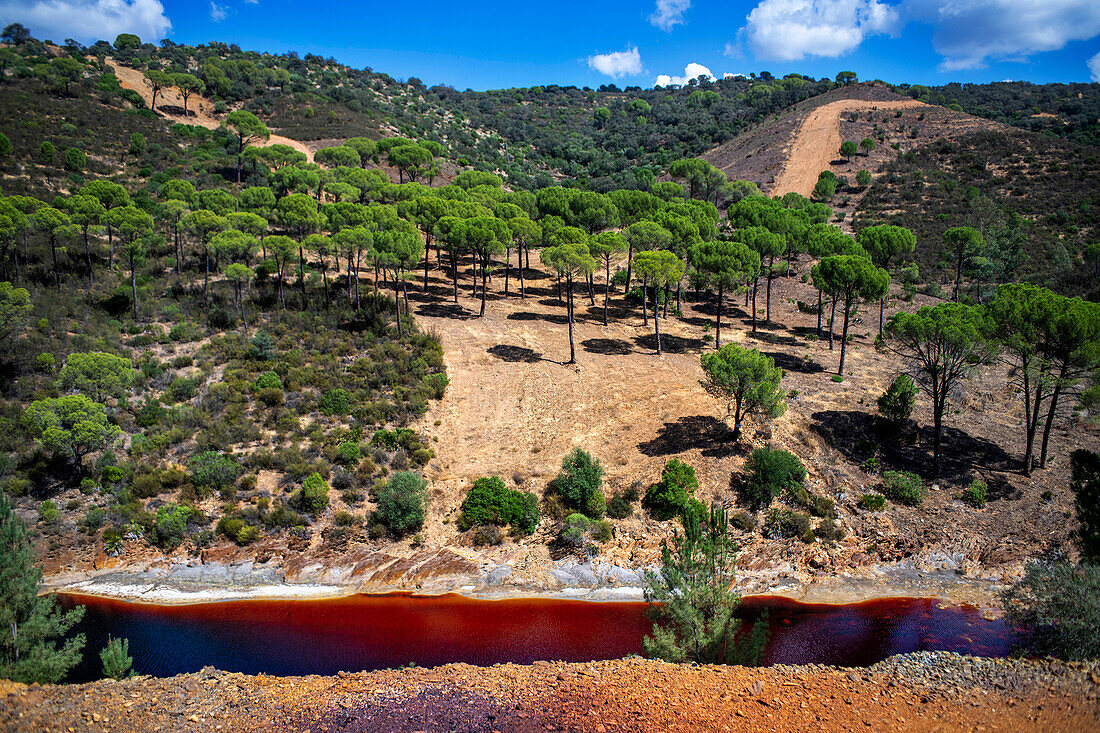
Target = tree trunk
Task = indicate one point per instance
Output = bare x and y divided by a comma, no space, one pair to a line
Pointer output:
656,323
454,273
591,289
1051,412
324,276
279,278
397,306
819,310
484,286
569,308
844,336
718,321
755,287
629,264
507,267
522,289
771,275
607,287
832,321
645,305
302,274
881,313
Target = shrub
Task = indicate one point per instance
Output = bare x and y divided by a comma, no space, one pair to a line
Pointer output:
267,380
45,363
574,531
116,659
248,534
666,498
743,521
621,505
579,482
403,502
896,403
784,523
872,502
902,487
170,524
829,531
212,472
1085,485
76,159
1059,606
489,501
48,513
487,534
347,519
313,496
976,494
770,471
335,402
348,454
436,385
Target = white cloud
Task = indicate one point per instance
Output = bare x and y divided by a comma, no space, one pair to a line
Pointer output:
617,64
791,30
734,75
88,20
669,13
967,34
218,12
691,71
1094,67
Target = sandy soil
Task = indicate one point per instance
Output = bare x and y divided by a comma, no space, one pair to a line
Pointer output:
817,143
919,692
198,107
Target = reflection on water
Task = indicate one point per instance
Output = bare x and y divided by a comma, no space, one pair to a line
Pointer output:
364,632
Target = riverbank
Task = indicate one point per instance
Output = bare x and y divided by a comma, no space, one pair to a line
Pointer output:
923,691
194,581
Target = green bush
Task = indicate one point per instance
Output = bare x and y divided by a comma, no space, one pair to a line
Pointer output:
170,525
872,502
313,496
1085,485
436,385
1058,606
666,498
579,481
897,402
48,513
348,454
743,521
116,659
829,531
976,494
574,531
770,471
335,402
902,487
267,380
621,505
403,502
489,501
784,523
212,472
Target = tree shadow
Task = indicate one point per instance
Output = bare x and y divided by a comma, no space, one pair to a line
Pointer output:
669,343
614,312
711,435
561,320
791,363
608,347
515,354
860,435
769,337
443,310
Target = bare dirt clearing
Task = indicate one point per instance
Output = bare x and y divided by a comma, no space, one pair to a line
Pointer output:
198,107
817,143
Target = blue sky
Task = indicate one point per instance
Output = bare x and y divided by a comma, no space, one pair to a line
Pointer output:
505,44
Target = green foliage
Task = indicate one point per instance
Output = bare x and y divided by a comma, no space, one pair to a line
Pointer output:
33,647
15,309
335,402
490,501
746,380
268,380
768,472
170,525
402,503
116,659
621,505
211,471
348,454
1085,485
693,598
897,402
976,494
786,524
579,481
863,178
71,426
76,160
668,497
872,502
97,374
1059,606
903,487
825,188
574,530
313,496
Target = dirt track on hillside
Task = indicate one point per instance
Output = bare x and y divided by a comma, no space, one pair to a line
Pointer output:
198,106
817,143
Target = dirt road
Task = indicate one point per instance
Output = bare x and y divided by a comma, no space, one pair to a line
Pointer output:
817,143
198,106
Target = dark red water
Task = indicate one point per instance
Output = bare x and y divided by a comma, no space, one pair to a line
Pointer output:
364,632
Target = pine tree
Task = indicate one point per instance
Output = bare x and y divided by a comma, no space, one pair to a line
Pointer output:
31,624
693,598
